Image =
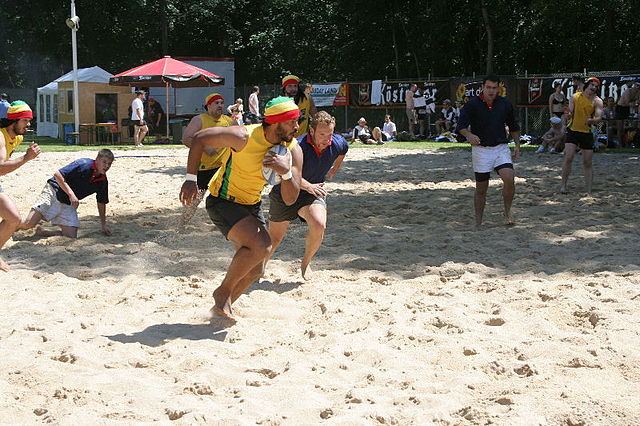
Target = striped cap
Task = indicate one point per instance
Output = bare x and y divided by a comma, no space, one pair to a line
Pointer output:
18,110
590,79
280,109
211,98
290,79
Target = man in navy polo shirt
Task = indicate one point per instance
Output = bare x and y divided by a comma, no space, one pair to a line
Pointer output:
323,154
59,200
482,121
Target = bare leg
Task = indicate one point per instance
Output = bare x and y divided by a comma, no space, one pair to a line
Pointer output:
480,199
33,218
508,191
277,231
587,156
376,133
254,246
569,152
65,231
421,124
316,217
10,222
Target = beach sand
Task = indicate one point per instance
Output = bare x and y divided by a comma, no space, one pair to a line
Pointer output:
412,316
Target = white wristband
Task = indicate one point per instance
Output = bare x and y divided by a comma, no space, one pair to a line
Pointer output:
286,176
191,177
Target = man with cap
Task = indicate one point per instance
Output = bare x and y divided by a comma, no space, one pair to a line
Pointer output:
553,140
12,129
323,153
291,88
211,157
585,110
4,105
234,203
137,118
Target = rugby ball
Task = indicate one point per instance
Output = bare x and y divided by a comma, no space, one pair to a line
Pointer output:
270,175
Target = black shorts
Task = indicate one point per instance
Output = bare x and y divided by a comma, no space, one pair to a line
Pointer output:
421,112
583,140
225,214
364,138
558,114
204,177
622,112
137,123
280,212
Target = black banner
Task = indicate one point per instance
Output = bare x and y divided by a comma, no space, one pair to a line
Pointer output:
536,91
393,94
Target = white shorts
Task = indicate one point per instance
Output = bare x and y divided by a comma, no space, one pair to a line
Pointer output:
53,210
487,158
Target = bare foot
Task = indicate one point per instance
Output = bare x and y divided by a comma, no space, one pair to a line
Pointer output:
509,220
220,313
3,266
222,308
307,273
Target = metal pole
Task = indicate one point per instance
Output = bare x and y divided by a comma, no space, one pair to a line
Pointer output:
167,106
74,48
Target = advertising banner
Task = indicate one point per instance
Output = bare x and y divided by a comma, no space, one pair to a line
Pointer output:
536,91
393,94
324,95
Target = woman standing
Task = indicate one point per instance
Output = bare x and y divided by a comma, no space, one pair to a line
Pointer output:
557,100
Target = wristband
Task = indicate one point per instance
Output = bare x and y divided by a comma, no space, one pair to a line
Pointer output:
286,176
191,177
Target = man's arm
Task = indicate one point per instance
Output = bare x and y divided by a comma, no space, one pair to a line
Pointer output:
463,126
253,104
290,188
597,113
102,212
7,166
62,183
312,107
214,137
140,114
335,167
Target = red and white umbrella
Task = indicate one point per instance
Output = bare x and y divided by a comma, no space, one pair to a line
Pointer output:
166,72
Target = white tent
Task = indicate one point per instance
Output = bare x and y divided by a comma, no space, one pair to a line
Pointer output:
47,99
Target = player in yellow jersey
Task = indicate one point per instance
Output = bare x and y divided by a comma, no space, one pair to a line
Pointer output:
234,203
211,157
585,109
291,88
12,129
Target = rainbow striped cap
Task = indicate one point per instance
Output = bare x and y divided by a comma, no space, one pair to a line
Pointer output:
18,110
281,109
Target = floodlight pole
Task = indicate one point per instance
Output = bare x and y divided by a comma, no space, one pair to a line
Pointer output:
74,48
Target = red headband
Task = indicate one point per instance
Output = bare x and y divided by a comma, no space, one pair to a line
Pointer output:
19,115
290,81
213,99
282,117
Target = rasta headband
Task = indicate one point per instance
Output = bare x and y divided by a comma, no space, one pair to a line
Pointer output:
281,109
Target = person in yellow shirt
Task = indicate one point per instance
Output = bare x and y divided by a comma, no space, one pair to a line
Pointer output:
211,157
234,203
12,129
585,110
291,88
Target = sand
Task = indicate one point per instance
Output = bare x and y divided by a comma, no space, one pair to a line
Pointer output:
412,315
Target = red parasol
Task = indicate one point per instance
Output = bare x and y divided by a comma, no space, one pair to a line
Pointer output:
166,72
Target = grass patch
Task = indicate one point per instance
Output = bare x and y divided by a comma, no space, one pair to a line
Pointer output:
48,144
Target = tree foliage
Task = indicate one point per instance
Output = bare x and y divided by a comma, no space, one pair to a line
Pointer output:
323,40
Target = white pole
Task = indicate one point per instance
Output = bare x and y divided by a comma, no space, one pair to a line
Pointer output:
74,47
167,107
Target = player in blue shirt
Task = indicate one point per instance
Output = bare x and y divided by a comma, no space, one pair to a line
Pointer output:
323,153
59,200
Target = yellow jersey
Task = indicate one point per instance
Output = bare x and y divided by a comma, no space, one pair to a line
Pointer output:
10,144
208,162
305,109
239,178
583,109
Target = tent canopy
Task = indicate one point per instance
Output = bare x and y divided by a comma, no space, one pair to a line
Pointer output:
166,72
